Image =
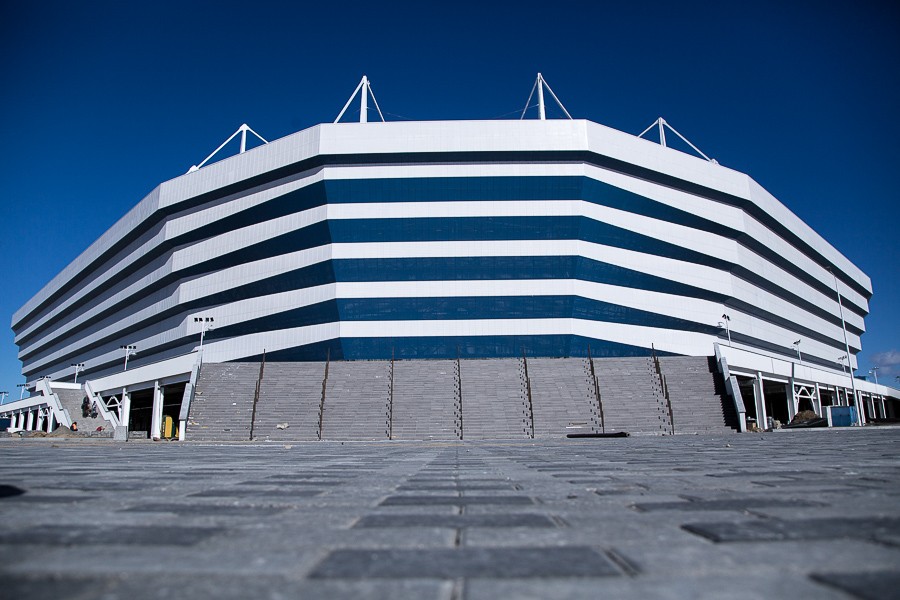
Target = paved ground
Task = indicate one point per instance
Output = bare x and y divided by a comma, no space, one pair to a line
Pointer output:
802,514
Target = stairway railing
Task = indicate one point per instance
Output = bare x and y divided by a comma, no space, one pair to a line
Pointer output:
664,386
390,403
322,399
530,405
598,399
262,368
458,408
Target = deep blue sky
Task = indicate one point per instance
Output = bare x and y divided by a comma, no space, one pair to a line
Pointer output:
102,101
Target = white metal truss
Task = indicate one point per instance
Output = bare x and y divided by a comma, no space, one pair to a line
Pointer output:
243,129
364,89
113,404
662,124
806,391
539,84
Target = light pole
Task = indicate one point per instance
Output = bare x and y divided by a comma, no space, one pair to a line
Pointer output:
799,356
874,371
78,367
841,360
21,387
3,396
727,327
129,350
206,323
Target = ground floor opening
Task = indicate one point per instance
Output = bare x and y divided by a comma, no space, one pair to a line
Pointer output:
776,395
140,415
171,409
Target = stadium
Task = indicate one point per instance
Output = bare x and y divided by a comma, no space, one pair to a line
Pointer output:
448,279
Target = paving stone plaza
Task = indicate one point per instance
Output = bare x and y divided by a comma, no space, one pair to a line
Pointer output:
792,514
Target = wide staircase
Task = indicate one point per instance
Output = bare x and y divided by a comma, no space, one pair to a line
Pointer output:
465,399
699,400
632,396
222,407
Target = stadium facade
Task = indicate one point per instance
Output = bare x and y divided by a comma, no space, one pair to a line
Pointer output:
437,240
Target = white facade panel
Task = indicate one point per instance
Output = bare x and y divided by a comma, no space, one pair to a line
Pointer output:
122,300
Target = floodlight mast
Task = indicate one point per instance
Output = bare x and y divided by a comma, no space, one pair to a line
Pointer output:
206,323
841,360
78,367
837,291
129,350
727,324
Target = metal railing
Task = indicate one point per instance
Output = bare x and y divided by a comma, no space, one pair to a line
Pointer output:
322,400
390,403
530,405
599,408
262,368
664,387
459,398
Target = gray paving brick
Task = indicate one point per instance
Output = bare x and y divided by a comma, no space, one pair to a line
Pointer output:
457,521
499,563
801,529
92,535
316,482
878,585
244,493
46,499
428,487
216,510
738,504
455,500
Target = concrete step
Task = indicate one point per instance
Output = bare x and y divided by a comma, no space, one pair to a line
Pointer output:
419,399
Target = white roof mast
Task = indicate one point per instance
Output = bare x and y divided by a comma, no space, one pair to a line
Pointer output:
540,83
243,129
662,124
364,89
